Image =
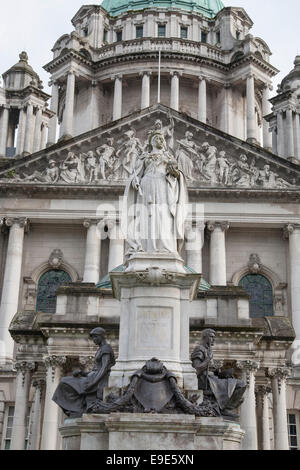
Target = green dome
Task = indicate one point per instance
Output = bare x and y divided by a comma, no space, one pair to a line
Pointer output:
208,8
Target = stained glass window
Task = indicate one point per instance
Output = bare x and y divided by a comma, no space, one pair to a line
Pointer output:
49,283
261,295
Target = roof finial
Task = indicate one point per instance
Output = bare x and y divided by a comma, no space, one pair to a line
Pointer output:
23,57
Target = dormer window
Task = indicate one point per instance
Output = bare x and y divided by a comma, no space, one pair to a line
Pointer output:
161,31
139,31
183,32
204,37
119,35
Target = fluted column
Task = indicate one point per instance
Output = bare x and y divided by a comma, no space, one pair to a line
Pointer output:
43,136
278,379
39,385
4,130
29,129
11,284
69,106
92,252
292,233
280,135
194,237
174,100
116,247
24,370
202,100
145,98
118,97
266,109
262,392
217,253
290,133
250,98
21,132
53,120
297,135
51,410
37,130
248,407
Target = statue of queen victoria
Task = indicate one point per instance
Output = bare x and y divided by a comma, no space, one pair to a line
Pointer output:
156,198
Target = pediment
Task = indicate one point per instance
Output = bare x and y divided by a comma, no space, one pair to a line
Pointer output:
106,156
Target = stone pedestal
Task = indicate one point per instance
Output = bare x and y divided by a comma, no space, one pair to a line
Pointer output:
126,431
155,295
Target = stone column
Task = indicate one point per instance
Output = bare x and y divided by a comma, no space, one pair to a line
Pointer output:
11,284
297,135
217,255
53,120
248,407
292,232
51,410
262,392
43,136
194,235
4,130
278,378
226,108
21,132
39,385
24,370
174,100
37,130
266,109
290,133
202,100
116,247
92,252
280,135
145,98
117,106
29,129
69,106
250,97
274,140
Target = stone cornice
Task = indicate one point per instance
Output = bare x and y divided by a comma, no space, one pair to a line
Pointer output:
29,90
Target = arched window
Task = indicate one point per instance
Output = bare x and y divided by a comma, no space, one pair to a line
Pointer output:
261,295
48,285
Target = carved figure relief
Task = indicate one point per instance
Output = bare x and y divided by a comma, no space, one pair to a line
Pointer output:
115,160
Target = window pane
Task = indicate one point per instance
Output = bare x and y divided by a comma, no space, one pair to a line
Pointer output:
7,445
161,30
119,36
48,285
292,419
261,295
203,37
139,31
183,32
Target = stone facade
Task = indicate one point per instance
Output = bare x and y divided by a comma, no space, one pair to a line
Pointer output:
60,203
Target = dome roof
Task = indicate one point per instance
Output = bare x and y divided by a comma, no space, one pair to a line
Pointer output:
208,8
23,66
292,80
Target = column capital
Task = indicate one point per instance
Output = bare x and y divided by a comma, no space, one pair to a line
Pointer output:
54,362
250,75
145,72
39,383
23,222
117,76
248,366
212,225
24,366
279,373
175,73
202,78
289,229
87,223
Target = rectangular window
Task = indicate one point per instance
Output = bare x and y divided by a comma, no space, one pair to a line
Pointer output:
105,33
218,35
139,31
292,428
204,36
9,425
119,36
238,35
183,32
161,31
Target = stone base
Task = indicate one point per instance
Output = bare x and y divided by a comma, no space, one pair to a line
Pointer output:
170,262
126,431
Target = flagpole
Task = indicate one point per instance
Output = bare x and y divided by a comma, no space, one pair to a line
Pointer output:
159,62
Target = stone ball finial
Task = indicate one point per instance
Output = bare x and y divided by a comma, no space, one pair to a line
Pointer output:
23,57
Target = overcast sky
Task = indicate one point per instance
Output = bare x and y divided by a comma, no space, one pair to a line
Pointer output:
35,25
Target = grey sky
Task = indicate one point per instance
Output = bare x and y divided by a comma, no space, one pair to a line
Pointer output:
35,25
